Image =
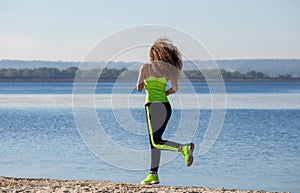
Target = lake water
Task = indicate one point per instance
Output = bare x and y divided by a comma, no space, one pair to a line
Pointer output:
258,147
106,88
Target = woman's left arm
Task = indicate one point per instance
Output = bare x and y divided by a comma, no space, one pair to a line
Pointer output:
140,81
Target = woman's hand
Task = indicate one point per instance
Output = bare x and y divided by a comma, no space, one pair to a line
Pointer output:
170,91
140,87
174,86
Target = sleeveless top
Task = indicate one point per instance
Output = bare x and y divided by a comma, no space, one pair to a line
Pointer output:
155,88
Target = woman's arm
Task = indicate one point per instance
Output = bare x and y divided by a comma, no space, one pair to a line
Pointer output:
141,78
174,87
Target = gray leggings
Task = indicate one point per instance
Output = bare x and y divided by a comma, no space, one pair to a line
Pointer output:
158,115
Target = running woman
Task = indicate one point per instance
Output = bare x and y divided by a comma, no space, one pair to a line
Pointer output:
165,65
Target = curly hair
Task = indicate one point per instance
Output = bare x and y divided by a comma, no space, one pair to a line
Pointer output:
165,58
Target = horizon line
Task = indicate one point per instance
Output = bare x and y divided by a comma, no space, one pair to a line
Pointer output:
221,59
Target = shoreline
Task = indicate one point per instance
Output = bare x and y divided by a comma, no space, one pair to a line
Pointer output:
28,185
7,80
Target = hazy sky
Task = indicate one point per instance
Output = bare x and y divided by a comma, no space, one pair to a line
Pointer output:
230,29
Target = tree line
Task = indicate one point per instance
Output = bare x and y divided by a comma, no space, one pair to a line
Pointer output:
38,73
114,74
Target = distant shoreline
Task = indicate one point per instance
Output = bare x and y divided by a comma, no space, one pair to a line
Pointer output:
7,80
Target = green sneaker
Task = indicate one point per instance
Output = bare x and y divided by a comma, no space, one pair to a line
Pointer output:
187,154
150,179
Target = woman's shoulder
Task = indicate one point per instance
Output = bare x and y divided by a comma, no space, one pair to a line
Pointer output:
144,71
144,67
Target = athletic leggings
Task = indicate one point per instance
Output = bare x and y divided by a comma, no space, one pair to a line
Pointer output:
158,115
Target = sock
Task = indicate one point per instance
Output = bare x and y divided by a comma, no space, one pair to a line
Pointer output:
180,148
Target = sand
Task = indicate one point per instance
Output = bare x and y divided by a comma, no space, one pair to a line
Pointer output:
81,186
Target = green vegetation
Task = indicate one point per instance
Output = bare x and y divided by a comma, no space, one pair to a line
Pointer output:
113,74
228,74
37,73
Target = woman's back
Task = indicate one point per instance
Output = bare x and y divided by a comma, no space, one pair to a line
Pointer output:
155,88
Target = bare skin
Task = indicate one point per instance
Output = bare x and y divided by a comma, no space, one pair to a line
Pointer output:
144,73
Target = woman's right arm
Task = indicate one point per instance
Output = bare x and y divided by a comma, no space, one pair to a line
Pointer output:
174,86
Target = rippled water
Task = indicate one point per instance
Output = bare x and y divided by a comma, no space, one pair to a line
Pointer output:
107,87
258,148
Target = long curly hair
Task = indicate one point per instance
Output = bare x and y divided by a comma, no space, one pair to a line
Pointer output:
165,59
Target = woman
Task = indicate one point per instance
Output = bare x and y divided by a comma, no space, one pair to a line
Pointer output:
165,65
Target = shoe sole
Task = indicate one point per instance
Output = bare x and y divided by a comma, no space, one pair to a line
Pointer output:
191,158
152,183
155,182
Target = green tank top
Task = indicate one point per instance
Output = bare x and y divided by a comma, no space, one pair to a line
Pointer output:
155,89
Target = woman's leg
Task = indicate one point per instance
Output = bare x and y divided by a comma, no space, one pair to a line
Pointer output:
155,159
158,115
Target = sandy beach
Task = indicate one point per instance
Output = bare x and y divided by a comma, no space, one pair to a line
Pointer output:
80,186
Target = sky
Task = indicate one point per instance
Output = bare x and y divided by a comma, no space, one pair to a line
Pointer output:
67,30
